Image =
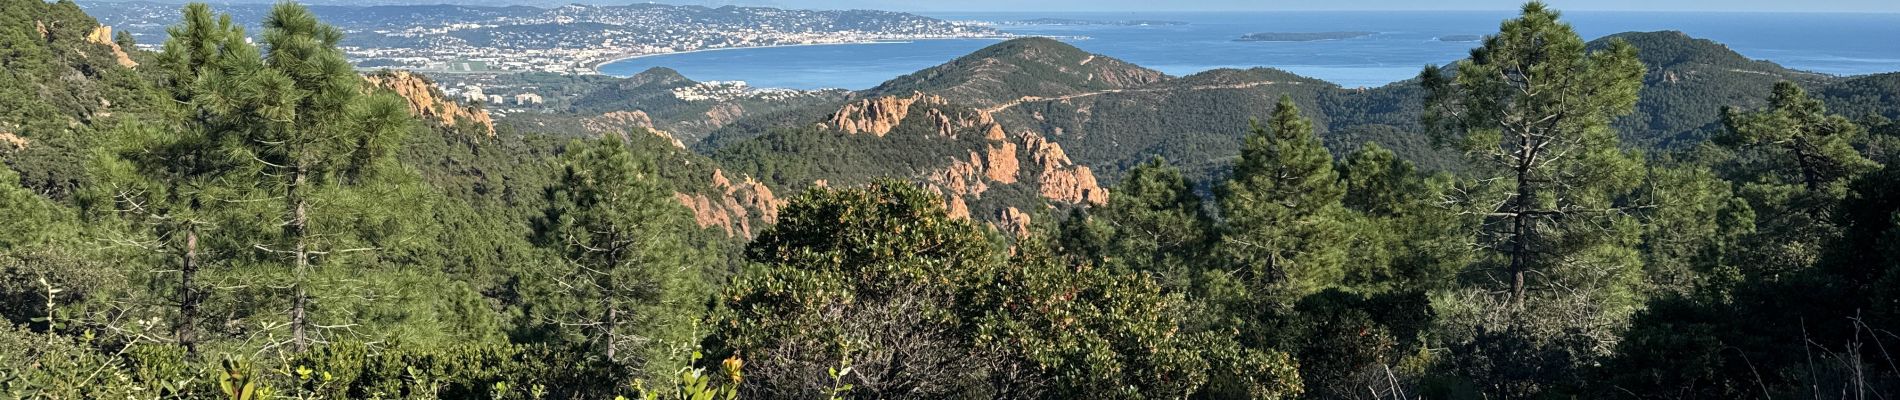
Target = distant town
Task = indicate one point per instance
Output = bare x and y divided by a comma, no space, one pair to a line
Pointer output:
567,39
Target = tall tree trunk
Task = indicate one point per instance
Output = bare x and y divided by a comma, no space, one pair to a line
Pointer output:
298,223
1520,216
1809,175
612,291
613,321
187,296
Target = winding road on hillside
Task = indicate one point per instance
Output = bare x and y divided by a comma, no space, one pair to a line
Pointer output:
1037,99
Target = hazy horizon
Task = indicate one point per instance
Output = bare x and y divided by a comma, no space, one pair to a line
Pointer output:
1114,6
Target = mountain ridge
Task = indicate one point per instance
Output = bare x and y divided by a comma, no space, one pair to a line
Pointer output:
1019,68
1197,120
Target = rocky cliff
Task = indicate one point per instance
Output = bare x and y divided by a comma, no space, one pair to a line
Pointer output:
877,116
1014,221
102,35
733,207
1041,166
1060,179
993,157
426,101
617,122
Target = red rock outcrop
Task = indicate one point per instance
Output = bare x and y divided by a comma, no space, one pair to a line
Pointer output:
723,114
962,177
1057,179
1061,180
617,122
958,208
1000,163
1014,221
426,101
733,205
9,141
102,35
953,203
877,116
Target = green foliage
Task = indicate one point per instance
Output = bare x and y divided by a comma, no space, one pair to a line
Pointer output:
1282,211
1153,224
1533,108
1805,145
1692,238
1402,239
635,282
237,381
929,306
42,365
694,383
1687,84
26,218
163,220
59,90
869,273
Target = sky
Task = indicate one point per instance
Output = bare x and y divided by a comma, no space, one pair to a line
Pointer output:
1883,6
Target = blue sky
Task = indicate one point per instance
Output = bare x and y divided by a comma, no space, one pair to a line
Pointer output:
1269,5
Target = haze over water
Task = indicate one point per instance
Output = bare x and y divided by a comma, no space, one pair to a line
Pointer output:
1840,44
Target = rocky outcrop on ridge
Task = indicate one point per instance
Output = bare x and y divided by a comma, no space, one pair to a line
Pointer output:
428,102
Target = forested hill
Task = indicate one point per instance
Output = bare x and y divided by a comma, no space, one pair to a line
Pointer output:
690,110
1110,115
1691,79
1015,69
63,83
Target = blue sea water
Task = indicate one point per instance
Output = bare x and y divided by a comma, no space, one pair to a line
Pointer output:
1839,44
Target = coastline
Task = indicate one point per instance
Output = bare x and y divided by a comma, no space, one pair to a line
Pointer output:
593,66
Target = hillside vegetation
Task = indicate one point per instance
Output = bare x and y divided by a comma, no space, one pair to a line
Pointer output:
242,215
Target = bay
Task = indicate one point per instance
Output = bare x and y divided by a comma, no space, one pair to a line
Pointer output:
1831,43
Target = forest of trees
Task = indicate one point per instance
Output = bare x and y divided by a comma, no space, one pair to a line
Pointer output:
253,221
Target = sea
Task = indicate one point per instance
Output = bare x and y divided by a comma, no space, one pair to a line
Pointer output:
1830,43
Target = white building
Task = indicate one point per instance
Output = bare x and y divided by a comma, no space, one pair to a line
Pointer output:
474,94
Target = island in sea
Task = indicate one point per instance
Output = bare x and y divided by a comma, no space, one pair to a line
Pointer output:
1302,36
1460,38
1089,22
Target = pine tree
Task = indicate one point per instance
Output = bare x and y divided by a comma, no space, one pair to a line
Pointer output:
1556,272
1532,108
1282,209
298,117
168,178
1155,224
1401,240
1793,163
1809,146
620,228
26,219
